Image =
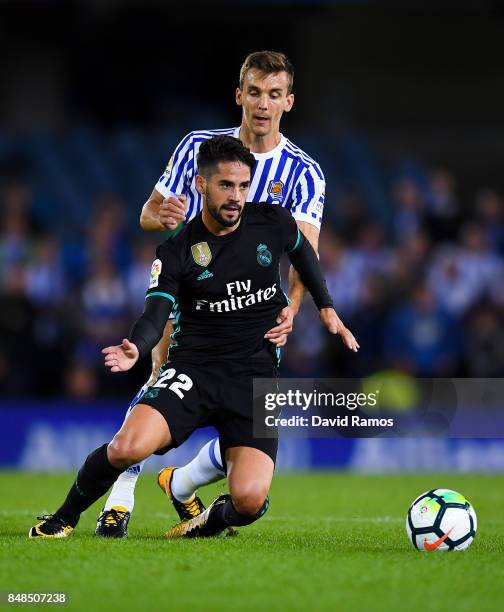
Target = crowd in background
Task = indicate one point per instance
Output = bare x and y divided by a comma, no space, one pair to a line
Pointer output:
423,294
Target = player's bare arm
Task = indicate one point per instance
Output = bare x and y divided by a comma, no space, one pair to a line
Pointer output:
306,263
296,288
160,213
160,352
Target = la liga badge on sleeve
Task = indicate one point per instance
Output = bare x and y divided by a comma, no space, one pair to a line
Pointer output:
155,272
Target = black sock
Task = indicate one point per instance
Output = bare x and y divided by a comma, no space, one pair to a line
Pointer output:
93,480
224,514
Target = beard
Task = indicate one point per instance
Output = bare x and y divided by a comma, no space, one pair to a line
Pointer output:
216,212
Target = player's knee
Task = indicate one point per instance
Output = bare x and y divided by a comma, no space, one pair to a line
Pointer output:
249,500
124,451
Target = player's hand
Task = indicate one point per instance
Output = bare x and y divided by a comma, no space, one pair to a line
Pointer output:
334,325
172,211
278,335
122,357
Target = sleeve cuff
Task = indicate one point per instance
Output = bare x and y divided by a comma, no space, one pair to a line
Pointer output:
308,217
163,189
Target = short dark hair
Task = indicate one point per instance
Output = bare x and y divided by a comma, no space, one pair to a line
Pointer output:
268,62
222,149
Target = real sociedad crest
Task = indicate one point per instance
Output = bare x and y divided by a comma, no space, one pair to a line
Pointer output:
276,191
264,257
201,254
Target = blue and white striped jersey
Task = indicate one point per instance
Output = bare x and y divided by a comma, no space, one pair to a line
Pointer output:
284,176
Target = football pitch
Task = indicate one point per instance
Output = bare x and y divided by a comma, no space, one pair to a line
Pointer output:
330,541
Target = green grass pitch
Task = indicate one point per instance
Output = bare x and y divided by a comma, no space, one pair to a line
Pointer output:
330,541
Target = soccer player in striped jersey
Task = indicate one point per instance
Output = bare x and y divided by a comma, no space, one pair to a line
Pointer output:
284,175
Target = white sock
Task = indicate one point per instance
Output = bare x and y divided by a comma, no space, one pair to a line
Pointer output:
205,468
123,491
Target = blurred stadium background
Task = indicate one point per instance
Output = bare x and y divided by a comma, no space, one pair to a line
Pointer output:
401,107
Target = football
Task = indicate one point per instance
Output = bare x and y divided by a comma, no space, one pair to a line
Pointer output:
441,520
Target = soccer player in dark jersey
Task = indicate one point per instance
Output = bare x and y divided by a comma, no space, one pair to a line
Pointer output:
283,175
220,276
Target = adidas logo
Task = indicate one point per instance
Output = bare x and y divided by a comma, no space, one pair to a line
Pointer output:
204,275
134,469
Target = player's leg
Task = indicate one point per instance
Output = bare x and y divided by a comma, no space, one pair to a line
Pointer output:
113,520
144,431
181,484
249,460
122,494
204,469
250,472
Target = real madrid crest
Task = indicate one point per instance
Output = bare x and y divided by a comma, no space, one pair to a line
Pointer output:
201,253
264,257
